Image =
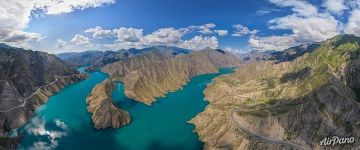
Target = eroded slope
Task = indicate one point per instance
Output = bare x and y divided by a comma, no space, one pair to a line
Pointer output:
286,105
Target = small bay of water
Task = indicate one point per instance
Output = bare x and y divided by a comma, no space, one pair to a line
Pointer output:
64,123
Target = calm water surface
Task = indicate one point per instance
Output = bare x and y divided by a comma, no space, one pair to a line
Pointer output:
64,123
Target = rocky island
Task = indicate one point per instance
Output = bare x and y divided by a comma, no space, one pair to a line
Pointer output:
104,112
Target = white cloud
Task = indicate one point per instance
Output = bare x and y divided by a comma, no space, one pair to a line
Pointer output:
36,127
234,50
353,25
221,32
81,40
164,36
99,33
204,29
134,38
264,11
335,6
271,42
60,124
200,43
15,16
299,7
241,30
306,24
61,44
308,29
129,34
53,7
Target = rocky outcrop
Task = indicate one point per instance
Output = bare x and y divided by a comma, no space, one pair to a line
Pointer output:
293,104
153,75
104,112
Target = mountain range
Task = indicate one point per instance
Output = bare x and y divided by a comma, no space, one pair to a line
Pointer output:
291,104
102,58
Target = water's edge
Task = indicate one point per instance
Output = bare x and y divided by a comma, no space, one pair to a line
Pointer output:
64,123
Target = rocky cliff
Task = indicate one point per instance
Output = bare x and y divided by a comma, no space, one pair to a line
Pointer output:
153,75
104,112
293,104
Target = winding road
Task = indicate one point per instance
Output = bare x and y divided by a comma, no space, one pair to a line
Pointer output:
26,99
243,128
261,137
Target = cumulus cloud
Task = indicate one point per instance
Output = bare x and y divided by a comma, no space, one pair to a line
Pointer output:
81,40
99,33
129,34
271,42
306,23
221,32
200,43
234,50
335,6
53,7
204,29
308,29
61,44
15,16
301,8
353,25
241,30
164,36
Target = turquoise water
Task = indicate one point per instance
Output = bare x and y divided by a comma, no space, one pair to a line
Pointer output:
64,123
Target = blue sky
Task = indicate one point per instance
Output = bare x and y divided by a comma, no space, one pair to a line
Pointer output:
71,25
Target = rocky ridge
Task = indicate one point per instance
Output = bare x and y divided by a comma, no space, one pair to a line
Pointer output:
293,104
153,75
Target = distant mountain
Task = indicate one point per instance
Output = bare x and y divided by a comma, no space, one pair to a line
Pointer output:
278,56
2,45
293,52
290,104
99,58
254,56
27,78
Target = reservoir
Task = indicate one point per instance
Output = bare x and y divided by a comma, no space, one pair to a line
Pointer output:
64,123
